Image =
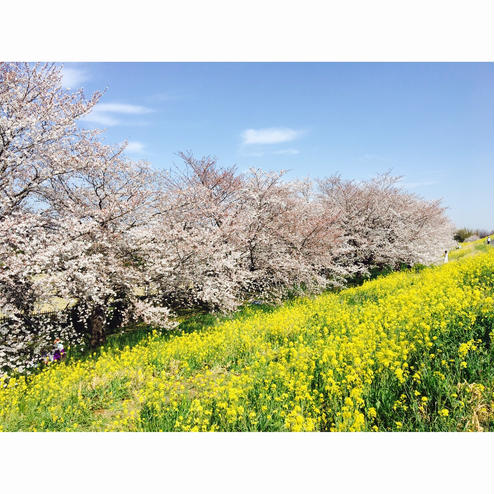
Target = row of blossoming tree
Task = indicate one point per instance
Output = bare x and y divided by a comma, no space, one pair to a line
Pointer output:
119,242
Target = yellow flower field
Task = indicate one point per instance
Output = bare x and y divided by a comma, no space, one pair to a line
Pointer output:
411,351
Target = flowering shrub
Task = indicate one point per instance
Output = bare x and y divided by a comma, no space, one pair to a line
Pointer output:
410,351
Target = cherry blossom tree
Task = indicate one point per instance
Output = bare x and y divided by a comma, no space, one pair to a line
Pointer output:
196,232
231,237
39,140
385,226
39,136
288,240
67,203
101,265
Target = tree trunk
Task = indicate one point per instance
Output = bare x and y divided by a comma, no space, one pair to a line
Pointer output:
97,326
117,315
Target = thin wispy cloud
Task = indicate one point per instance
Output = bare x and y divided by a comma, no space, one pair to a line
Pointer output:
122,108
271,135
134,147
109,114
287,151
376,158
255,154
100,118
414,185
73,78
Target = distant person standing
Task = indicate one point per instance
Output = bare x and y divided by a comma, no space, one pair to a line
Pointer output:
489,240
445,256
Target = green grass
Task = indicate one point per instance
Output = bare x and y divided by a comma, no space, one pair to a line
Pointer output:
188,322
469,249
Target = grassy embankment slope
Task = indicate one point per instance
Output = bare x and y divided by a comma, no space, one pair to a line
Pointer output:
409,351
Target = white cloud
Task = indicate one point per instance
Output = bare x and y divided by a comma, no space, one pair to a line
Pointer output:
100,118
104,113
122,108
134,147
73,78
272,135
287,151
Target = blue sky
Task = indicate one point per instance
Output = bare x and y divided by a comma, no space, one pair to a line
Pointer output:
432,123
